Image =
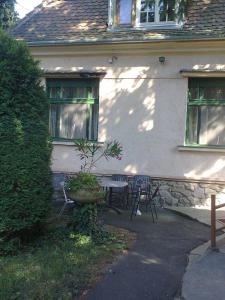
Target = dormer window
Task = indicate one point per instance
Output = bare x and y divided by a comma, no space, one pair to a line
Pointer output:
124,12
143,13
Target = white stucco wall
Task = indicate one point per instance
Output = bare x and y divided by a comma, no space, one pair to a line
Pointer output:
143,105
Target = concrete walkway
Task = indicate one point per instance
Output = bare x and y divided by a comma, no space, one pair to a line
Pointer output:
154,267
205,275
199,213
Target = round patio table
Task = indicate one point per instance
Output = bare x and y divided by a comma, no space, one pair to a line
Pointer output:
109,184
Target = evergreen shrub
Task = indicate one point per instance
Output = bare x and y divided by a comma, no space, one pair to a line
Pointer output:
25,148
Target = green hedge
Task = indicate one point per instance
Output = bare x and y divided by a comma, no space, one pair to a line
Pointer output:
25,150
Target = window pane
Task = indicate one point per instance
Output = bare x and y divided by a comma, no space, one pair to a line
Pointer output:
72,121
93,124
171,10
207,125
69,92
151,17
94,92
54,92
125,11
212,125
143,17
79,92
147,11
217,93
193,124
207,93
162,16
193,93
53,120
144,5
166,10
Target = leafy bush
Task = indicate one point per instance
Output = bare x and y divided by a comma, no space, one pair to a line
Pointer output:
25,176
90,152
83,181
85,221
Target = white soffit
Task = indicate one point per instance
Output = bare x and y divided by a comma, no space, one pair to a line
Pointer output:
202,73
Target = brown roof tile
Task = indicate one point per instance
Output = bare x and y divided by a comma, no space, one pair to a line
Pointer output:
86,20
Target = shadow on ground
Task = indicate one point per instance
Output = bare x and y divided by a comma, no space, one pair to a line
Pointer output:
154,267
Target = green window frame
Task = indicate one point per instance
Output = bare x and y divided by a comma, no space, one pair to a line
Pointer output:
74,108
206,112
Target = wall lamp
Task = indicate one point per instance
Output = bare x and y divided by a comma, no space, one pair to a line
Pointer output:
162,60
112,59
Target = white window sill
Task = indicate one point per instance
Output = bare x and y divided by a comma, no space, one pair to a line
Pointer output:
67,143
144,27
64,143
219,149
162,25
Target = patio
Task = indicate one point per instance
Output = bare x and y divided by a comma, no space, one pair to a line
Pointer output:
200,213
161,254
154,267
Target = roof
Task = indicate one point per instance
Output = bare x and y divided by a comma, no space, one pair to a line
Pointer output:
85,21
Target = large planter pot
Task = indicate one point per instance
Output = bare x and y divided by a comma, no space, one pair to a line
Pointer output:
84,196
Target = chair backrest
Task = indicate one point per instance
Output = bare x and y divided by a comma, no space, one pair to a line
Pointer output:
64,185
141,181
119,177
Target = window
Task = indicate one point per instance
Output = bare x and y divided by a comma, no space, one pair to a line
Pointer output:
156,11
141,13
124,12
73,108
206,111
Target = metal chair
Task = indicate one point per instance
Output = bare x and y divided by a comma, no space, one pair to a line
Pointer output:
142,193
67,201
121,192
153,196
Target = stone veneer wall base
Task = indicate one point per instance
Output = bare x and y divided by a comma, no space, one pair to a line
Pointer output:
172,192
189,193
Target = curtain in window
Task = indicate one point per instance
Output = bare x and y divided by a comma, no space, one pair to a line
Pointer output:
74,108
93,130
53,120
69,120
207,125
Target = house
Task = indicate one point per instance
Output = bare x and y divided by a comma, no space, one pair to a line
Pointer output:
149,73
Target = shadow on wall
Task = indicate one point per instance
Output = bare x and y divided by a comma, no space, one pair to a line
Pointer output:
147,116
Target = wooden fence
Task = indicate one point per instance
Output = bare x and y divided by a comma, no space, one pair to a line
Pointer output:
214,207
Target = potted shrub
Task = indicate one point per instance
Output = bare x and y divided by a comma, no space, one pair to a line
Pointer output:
85,188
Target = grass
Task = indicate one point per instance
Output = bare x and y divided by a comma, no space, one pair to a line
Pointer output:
61,265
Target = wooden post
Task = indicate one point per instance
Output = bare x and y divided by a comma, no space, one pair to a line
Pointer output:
213,221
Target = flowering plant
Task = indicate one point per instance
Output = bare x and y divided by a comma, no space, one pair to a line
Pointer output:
85,188
90,153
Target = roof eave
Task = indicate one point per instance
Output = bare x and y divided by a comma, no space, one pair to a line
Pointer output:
115,41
